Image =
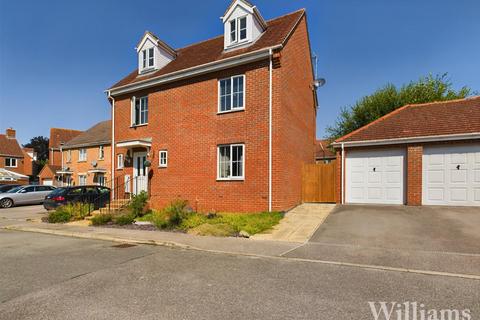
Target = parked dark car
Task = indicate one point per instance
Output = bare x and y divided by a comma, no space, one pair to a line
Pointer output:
97,195
6,187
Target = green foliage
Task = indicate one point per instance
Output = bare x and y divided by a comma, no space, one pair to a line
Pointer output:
215,230
172,215
138,203
369,108
59,216
126,218
252,223
101,219
40,146
146,217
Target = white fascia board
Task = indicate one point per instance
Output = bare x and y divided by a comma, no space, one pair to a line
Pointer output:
448,137
195,71
232,8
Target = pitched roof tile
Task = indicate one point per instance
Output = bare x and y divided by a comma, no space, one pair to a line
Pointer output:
9,147
99,134
59,136
419,120
211,50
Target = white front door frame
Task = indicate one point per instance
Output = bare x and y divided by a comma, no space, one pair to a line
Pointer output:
140,172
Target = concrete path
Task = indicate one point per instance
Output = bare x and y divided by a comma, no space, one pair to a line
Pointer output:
299,223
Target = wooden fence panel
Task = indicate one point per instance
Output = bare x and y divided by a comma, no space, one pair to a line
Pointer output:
318,182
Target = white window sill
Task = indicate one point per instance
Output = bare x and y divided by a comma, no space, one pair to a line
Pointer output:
162,167
119,169
147,70
80,161
10,167
139,125
230,179
231,111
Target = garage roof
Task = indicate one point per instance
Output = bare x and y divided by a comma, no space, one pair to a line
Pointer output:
452,117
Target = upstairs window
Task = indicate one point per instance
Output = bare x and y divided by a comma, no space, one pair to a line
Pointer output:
69,156
82,154
148,58
232,94
233,31
101,153
242,30
139,111
11,162
231,164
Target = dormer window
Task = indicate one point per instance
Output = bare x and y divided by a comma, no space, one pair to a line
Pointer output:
243,24
239,33
148,58
153,54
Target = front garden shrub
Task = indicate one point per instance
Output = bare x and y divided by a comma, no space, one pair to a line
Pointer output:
124,219
101,219
215,230
60,215
138,203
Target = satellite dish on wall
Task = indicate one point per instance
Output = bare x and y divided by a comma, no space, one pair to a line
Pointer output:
94,164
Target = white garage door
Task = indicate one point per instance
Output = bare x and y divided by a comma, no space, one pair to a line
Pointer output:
375,176
47,182
451,175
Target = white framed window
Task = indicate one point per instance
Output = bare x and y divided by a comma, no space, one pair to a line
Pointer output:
120,161
231,94
82,154
148,58
139,111
231,162
101,179
238,29
11,162
163,158
101,152
82,180
69,156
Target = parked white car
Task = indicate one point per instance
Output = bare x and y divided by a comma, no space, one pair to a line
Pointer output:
24,195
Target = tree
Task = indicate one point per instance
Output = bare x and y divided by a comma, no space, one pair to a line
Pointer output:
40,146
369,108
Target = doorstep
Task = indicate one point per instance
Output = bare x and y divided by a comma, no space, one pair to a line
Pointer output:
299,224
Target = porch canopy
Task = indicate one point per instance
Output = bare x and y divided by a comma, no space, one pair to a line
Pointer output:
137,143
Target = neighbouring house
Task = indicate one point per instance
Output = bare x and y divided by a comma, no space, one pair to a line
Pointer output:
226,123
323,153
418,154
14,165
58,137
87,157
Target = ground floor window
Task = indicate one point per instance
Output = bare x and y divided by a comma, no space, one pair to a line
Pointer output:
82,180
231,164
162,158
100,179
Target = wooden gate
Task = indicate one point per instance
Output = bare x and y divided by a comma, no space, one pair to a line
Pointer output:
318,182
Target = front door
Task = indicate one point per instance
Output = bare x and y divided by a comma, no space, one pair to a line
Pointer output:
140,172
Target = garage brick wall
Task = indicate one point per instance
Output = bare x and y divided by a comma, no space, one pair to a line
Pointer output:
414,174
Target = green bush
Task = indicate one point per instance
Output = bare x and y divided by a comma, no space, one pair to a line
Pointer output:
172,215
59,216
127,218
146,217
100,219
138,203
252,223
216,230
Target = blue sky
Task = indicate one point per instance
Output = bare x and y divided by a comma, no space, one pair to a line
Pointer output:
57,57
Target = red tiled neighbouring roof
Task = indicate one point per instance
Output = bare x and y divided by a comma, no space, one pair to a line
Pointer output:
418,120
9,147
211,50
58,136
322,151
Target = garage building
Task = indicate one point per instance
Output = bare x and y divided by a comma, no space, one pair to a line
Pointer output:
418,154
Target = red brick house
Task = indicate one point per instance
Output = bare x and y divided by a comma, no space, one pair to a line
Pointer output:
58,137
15,163
418,154
225,123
